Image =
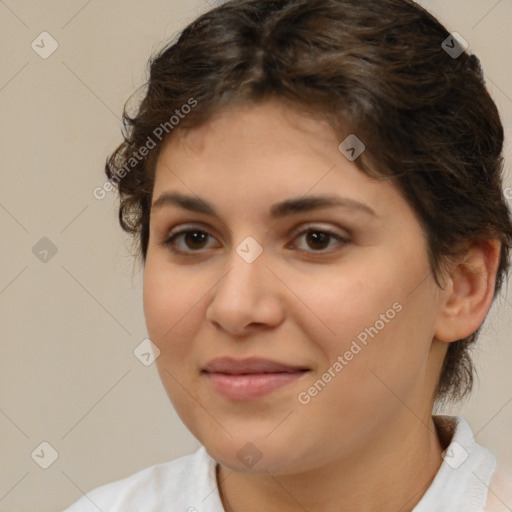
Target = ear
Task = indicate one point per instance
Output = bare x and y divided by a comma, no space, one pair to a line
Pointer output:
468,291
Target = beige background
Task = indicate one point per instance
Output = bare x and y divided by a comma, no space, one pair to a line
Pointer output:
68,375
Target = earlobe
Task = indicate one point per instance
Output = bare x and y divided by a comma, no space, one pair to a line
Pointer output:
469,291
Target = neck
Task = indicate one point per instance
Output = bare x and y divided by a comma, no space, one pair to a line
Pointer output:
392,471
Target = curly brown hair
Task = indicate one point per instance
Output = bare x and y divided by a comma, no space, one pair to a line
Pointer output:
378,67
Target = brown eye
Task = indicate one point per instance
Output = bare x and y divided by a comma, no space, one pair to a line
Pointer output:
317,240
189,241
193,239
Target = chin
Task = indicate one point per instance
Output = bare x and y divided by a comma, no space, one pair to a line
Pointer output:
258,457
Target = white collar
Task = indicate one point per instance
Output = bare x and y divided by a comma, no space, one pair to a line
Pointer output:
462,482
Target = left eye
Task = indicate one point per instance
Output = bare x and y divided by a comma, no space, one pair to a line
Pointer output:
194,239
319,238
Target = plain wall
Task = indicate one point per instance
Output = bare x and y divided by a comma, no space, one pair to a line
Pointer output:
68,375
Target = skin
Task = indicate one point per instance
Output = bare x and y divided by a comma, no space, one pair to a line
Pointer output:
366,441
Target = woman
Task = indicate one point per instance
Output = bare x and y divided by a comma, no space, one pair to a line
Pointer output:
315,191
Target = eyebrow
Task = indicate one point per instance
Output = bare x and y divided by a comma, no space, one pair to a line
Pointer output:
277,211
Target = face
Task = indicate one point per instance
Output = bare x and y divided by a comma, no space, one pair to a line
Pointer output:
340,294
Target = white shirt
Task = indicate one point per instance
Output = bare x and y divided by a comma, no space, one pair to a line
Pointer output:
468,480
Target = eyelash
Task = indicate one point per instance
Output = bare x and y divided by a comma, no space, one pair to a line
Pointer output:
170,243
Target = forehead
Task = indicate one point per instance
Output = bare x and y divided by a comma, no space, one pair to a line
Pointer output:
270,126
263,154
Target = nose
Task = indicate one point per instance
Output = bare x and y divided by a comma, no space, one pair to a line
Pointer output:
247,298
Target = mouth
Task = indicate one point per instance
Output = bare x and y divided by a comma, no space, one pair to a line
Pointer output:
252,365
251,378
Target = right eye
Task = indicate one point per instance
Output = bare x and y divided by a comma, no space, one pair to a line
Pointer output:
192,238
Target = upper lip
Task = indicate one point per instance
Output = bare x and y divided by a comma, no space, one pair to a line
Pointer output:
233,366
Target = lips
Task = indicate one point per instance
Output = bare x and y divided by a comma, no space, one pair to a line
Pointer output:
232,366
250,379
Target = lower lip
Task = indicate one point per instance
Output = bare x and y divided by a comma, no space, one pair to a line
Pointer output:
250,386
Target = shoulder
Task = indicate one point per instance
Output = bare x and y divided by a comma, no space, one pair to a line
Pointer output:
152,489
500,488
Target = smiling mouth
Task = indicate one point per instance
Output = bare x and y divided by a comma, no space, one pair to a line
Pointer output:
252,365
250,378
251,386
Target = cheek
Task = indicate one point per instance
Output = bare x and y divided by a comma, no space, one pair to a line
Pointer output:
343,302
171,299
170,303
376,317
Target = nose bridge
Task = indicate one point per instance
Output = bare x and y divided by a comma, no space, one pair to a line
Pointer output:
247,256
244,295
247,269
